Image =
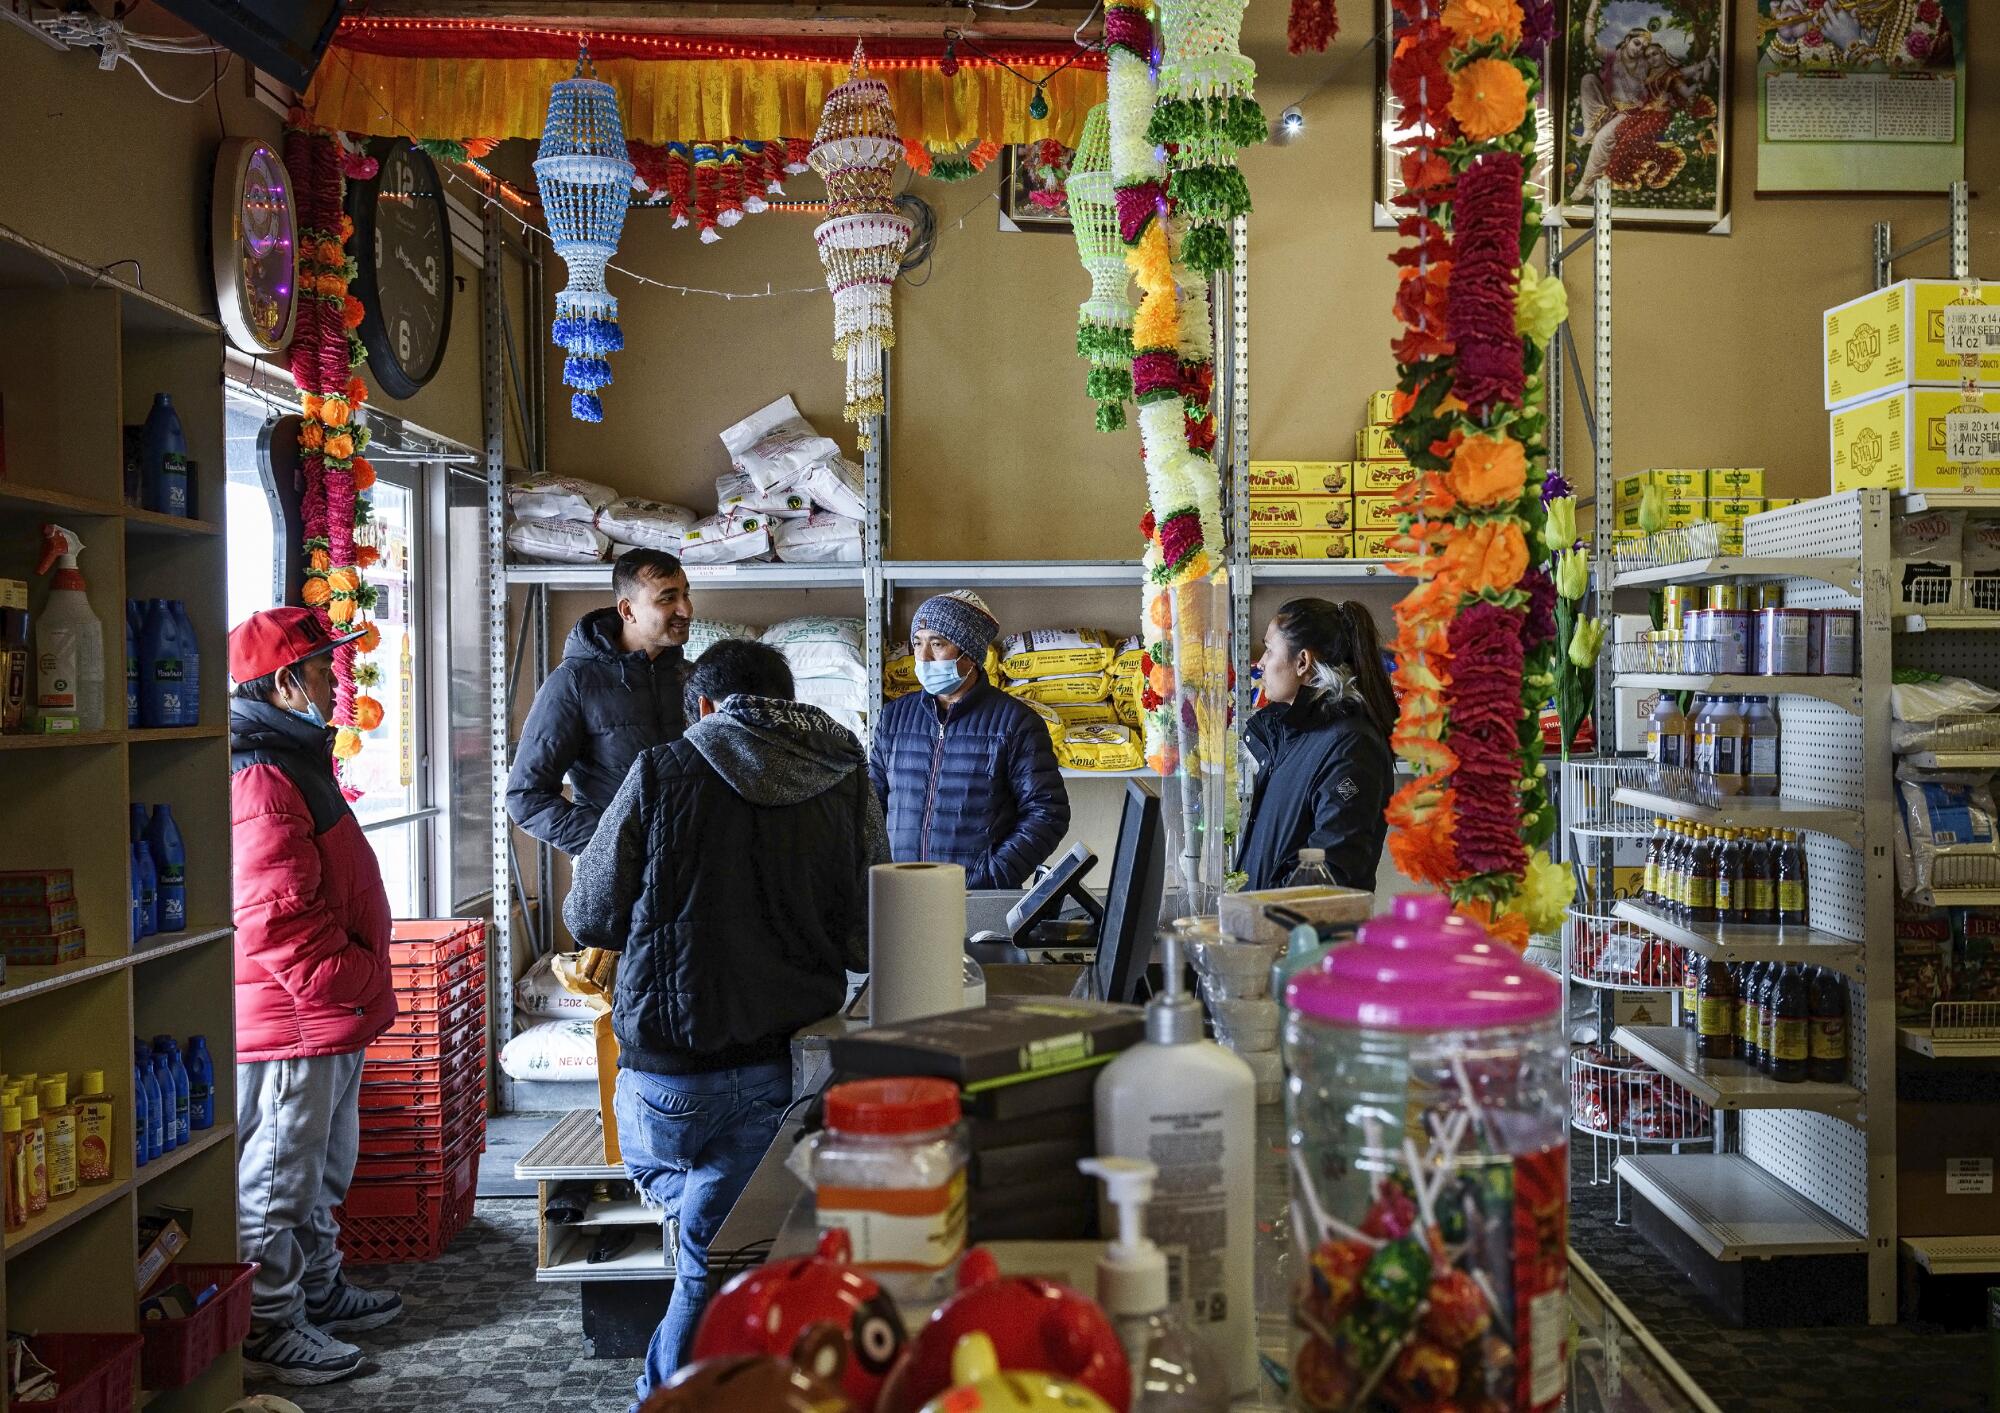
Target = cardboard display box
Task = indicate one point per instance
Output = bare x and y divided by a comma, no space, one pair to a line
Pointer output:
1381,478
1375,444
1373,514
1899,441
1301,544
1382,408
1301,513
1279,479
1377,544
1895,338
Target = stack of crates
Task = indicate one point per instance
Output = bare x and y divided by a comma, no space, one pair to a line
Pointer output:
423,1100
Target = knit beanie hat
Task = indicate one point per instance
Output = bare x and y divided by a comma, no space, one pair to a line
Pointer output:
961,618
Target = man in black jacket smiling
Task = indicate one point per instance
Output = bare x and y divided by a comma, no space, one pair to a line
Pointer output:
731,870
616,692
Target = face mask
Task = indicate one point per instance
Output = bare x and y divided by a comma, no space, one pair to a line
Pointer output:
938,678
312,715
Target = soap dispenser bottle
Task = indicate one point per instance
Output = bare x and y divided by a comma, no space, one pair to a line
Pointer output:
1182,1102
1169,1372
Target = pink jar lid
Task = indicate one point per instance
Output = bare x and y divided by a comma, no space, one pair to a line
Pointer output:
1422,967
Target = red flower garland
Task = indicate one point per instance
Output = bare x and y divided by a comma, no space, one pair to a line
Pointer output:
1486,222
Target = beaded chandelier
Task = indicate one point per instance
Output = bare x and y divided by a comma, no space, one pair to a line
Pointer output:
1104,321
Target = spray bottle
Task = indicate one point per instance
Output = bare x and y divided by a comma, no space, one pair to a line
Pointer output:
1186,1104
1169,1373
69,643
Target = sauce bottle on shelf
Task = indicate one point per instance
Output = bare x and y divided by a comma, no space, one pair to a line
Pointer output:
1649,888
1731,749
1701,877
1762,865
1747,1014
1790,1043
1690,987
1716,1015
1732,882
36,1138
1826,1043
1761,748
1683,872
1791,856
59,1128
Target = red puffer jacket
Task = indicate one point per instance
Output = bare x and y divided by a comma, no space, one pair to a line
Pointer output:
312,919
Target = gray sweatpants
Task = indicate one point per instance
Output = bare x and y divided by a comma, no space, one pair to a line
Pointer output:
298,1132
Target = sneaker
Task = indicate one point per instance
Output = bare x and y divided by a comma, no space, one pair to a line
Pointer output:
351,1310
298,1352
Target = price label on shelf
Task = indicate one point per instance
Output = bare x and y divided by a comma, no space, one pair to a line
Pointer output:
1971,437
1972,328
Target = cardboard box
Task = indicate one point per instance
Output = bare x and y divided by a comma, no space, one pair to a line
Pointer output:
1736,511
1946,1153
1375,514
1375,444
1626,490
1898,442
1377,544
36,885
1377,478
37,919
1627,520
1301,513
1896,337
1382,408
1682,513
166,1244
1735,482
1634,706
1731,539
1244,917
1278,479
44,949
607,1083
1301,544
1778,503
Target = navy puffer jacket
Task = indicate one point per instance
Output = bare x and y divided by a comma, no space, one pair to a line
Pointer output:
1324,777
973,784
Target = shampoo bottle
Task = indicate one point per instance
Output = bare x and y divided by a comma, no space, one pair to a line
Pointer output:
142,1116
155,1106
163,474
1182,1102
69,642
163,836
59,1128
166,1125
190,664
95,1130
201,1083
131,663
37,1142
160,669
169,1055
146,885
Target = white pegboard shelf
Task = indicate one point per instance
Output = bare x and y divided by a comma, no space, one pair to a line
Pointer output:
1843,692
1947,622
1738,943
1734,1209
596,578
1746,812
1731,1084
1955,1255
1959,897
1325,571
1922,1040
1842,572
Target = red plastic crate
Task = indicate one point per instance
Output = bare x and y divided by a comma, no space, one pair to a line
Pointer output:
391,1107
178,1350
414,943
435,1024
396,1092
420,1155
384,1223
468,1034
93,1371
438,987
424,1070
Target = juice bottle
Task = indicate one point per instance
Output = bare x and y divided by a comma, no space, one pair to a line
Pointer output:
13,1169
59,1128
1790,1045
1731,749
1792,912
1716,1014
1701,877
37,1140
1763,868
1761,760
201,1083
1826,1043
95,1129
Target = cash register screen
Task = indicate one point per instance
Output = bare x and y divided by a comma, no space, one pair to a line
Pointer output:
1132,904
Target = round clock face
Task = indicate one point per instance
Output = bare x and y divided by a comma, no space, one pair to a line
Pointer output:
255,258
404,243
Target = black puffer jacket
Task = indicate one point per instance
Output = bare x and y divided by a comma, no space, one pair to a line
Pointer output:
1324,777
595,713
732,872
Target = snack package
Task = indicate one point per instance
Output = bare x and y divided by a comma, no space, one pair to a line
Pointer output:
1929,550
648,524
835,485
1088,714
1923,960
1982,564
737,491
1100,748
820,646
1054,652
1051,718
565,541
1070,689
823,538
705,633
1948,829
899,673
1975,972
774,445
729,538
557,498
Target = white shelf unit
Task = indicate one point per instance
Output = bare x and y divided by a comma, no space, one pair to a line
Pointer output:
1800,1169
1954,1255
1843,692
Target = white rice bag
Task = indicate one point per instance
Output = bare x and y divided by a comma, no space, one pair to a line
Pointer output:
729,538
775,444
819,646
1948,818
649,524
831,693
824,538
738,492
1931,712
566,541
835,485
540,995
558,498
552,1051
705,633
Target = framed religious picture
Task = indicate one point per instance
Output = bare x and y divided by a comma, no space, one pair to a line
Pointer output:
1032,180
1391,133
1645,89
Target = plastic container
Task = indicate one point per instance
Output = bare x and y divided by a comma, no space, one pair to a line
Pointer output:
190,664
1311,871
1784,641
390,1222
93,1371
69,642
889,1170
161,672
163,460
131,662
415,944
1429,1158
143,1096
163,837
178,1350
169,1054
200,1066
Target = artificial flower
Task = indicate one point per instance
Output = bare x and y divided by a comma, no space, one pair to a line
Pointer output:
1585,645
1472,20
317,562
340,609
1652,509
346,229
330,286
335,411
315,593
346,743
1489,98
1559,526
367,556
364,473
1572,573
357,390
1487,211
1501,926
311,403
1422,817
343,581
1541,304
1487,472
368,715
370,639
340,446
1487,557
351,312
1547,890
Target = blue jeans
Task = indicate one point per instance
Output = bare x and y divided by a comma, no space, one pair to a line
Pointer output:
690,1142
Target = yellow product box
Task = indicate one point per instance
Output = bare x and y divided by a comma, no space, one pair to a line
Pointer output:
1301,513
1300,544
1735,482
1735,511
1382,408
1909,334
1625,535
1682,513
1279,479
1626,520
1377,544
1777,503
1626,490
1730,541
1374,444
1377,513
1681,485
1902,441
1379,478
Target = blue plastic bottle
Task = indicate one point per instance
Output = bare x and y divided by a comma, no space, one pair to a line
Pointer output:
163,474
163,1113
138,902
190,665
161,671
142,1116
145,891
201,1082
169,1055
156,1104
163,837
131,663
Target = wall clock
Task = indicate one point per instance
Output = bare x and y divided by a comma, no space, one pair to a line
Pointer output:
252,226
402,244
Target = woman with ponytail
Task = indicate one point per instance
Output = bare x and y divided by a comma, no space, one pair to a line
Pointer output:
1321,748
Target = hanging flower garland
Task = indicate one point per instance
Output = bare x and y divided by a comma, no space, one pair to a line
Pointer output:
1311,25
949,164
458,149
1104,319
1477,636
1206,114
326,348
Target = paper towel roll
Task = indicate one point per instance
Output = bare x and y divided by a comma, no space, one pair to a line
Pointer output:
916,941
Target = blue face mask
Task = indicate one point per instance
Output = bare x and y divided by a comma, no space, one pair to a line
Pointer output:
312,715
939,678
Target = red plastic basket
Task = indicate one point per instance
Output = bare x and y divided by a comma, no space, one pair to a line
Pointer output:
384,1223
452,1020
178,1350
93,1371
429,1154
398,1093
389,1108
468,1034
429,1069
441,986
430,943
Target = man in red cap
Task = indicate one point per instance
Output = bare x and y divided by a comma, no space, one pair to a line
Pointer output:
313,988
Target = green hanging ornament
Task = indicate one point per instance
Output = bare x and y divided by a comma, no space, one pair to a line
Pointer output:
1104,320
1038,106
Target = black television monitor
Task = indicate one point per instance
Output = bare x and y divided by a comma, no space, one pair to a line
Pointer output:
1132,906
284,38
1062,883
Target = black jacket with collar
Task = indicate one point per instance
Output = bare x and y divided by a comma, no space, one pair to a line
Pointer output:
1324,777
